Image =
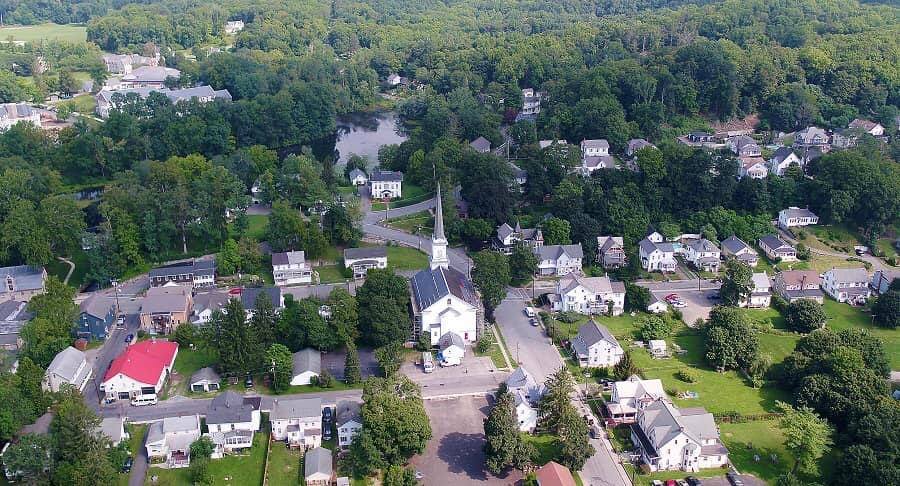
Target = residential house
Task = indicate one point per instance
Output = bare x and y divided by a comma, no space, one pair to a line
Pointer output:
776,249
234,26
393,79
452,349
205,380
98,313
611,252
752,167
121,64
349,421
297,422
881,281
307,364
794,216
527,393
850,285
291,268
249,296
657,256
169,440
554,474
783,158
385,184
698,138
657,305
358,177
526,412
12,114
668,438
508,237
631,395
443,299
232,419
760,292
317,467
206,303
744,146
793,285
636,144
735,247
559,260
21,282
703,254
140,370
531,104
657,348
872,128
13,317
69,367
165,308
481,145
845,138
192,273
109,100
360,260
148,77
113,428
590,295
811,138
596,347
595,155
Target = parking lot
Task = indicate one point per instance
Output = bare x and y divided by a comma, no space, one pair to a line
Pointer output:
697,303
474,375
455,454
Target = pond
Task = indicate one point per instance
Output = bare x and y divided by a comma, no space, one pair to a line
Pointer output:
364,133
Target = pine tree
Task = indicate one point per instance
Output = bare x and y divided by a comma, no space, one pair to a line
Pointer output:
263,321
504,446
625,367
352,373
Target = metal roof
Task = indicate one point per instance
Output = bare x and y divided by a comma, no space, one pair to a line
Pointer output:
431,285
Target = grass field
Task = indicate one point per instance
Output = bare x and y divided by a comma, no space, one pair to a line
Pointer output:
331,274
81,104
60,269
32,33
405,258
495,353
843,316
763,438
231,470
256,227
411,195
284,465
416,223
187,362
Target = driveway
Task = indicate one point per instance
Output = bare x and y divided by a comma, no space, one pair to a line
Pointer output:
334,362
476,375
141,464
697,303
455,454
114,345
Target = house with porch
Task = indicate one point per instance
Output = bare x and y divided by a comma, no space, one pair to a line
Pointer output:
668,438
611,252
169,440
703,255
232,419
596,347
165,308
559,260
657,255
850,285
361,260
297,422
631,395
590,295
812,138
734,247
140,371
752,167
760,292
386,184
744,146
508,237
776,249
291,268
794,216
192,273
793,285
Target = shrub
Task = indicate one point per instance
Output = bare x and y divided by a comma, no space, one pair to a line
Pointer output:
568,317
424,343
325,380
687,375
655,327
483,345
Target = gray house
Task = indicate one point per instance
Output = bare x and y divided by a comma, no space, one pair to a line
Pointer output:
21,282
96,318
318,469
481,145
205,380
307,364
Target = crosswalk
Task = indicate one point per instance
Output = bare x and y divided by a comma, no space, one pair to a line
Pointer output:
515,293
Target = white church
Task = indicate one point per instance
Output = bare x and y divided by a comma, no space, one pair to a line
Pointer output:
443,299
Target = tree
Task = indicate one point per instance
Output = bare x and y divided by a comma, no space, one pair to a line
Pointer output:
285,229
729,340
807,437
655,327
887,309
78,451
522,264
233,339
199,471
344,314
202,448
264,320
491,276
637,298
281,362
352,371
504,446
805,315
556,232
737,283
382,303
625,367
31,458
394,420
389,357
573,433
399,476
554,402
228,260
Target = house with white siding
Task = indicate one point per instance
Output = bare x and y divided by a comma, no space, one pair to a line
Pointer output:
297,422
559,260
232,419
596,347
703,255
668,438
590,295
794,216
849,285
734,247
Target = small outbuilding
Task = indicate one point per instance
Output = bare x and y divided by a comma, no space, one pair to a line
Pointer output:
453,349
205,380
307,365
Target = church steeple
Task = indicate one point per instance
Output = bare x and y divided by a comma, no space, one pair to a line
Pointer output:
438,240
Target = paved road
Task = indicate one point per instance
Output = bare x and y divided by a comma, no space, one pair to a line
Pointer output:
693,284
113,346
458,258
376,216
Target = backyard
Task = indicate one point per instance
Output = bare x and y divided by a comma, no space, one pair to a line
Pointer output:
238,469
32,33
844,316
284,465
405,258
187,362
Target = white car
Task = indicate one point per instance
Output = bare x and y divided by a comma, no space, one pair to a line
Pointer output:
678,304
529,311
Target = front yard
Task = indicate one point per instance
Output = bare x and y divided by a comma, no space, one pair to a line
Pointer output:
412,194
421,223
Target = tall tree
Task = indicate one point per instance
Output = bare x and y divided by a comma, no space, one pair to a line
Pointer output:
491,276
31,457
281,363
729,340
80,453
352,371
554,402
286,229
522,264
264,320
807,437
235,341
394,419
737,283
382,308
573,433
805,315
887,309
344,314
504,446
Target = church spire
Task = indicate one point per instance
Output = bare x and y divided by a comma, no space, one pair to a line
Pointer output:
438,240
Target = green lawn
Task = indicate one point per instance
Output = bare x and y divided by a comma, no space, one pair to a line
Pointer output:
187,362
416,223
843,316
231,470
762,438
31,33
284,465
256,227
886,245
547,447
495,353
265,389
60,269
331,274
82,104
406,258
412,194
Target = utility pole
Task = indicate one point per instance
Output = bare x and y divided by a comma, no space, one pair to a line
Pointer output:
115,284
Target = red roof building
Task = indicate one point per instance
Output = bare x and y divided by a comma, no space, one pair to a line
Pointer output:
554,474
139,368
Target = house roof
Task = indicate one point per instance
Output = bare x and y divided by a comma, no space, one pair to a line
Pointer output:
760,281
704,245
214,300
112,427
196,267
26,277
798,277
667,422
66,364
748,162
207,374
12,111
169,298
357,172
451,339
520,378
636,387
849,274
172,425
431,285
307,360
554,474
599,162
289,258
367,252
866,125
148,74
793,212
13,316
807,134
781,154
317,462
734,244
546,143
144,361
636,144
347,411
591,333
231,408
604,243
292,408
774,242
250,294
555,252
97,305
741,141
596,285
379,175
480,144
599,143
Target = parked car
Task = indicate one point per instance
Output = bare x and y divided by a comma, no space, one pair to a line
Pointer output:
692,481
129,338
327,414
678,304
420,475
734,479
129,462
248,382
534,322
326,435
529,311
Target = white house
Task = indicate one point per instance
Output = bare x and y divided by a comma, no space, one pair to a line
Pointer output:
508,237
526,412
590,295
205,380
318,468
205,303
386,184
703,254
794,216
527,393
783,158
657,305
559,260
481,145
291,268
872,128
69,367
349,422
531,102
849,285
307,364
234,26
657,256
360,260
760,291
776,249
671,439
297,421
631,395
113,428
140,370
881,280
744,146
735,247
14,113
394,79
358,177
170,440
595,155
753,167
452,349
232,419
812,137
596,347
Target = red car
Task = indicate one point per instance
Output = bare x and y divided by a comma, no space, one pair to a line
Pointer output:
671,297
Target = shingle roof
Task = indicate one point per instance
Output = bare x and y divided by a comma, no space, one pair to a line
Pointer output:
849,274
308,359
554,252
704,245
481,144
171,298
599,161
367,252
734,244
386,175
597,285
148,74
599,143
317,461
431,285
66,363
357,172
289,258
604,243
774,243
863,124
348,410
636,144
591,333
451,339
291,408
205,374
214,300
250,294
230,408
97,305
196,267
26,277
781,154
554,474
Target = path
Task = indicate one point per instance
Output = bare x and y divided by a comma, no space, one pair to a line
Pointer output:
141,463
71,268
